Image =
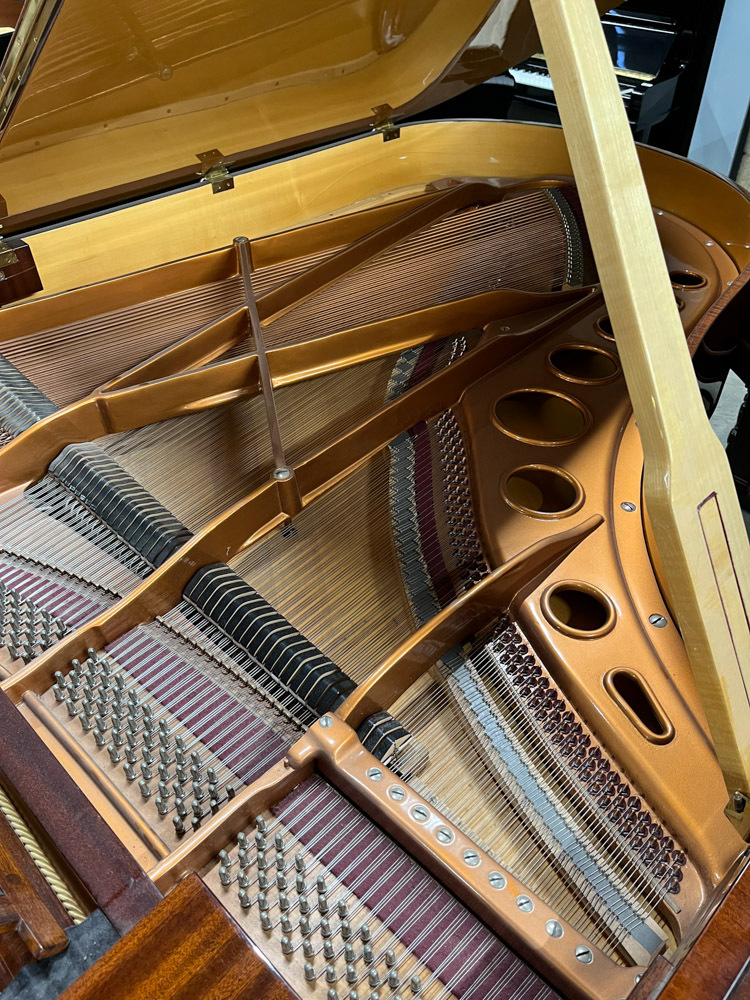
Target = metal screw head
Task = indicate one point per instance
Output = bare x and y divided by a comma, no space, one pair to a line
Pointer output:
658,621
554,928
629,506
471,858
374,774
282,474
444,835
326,721
420,813
397,793
524,904
497,880
584,954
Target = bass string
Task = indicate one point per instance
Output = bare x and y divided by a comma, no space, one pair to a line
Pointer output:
228,447
531,258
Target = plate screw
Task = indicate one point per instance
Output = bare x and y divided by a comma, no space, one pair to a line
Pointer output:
524,904
629,506
497,880
375,774
282,474
444,835
554,928
397,793
584,954
658,621
471,858
326,721
420,813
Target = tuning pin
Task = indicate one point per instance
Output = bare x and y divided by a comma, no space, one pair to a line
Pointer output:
309,971
364,933
287,947
349,953
390,958
367,954
308,948
224,875
244,898
416,985
331,975
329,952
373,978
351,974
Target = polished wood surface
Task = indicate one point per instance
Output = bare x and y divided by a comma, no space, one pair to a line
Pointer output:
717,966
32,921
187,948
688,487
339,179
45,792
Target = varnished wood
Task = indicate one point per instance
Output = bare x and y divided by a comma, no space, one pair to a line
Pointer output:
187,948
44,791
32,921
717,966
688,487
334,181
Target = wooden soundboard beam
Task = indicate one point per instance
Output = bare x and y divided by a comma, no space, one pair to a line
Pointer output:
688,487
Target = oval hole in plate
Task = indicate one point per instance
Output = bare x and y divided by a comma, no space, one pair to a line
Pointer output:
687,279
542,491
578,609
603,327
581,363
635,698
539,416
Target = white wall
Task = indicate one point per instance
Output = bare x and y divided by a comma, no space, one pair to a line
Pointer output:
727,94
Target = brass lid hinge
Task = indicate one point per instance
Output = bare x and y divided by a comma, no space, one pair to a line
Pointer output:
215,171
384,122
8,255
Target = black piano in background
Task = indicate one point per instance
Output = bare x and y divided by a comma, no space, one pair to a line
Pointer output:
661,51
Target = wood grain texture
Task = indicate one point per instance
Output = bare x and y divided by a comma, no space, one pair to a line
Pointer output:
32,921
46,793
688,487
187,948
716,967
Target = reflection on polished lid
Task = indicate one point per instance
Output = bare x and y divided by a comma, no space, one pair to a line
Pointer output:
101,99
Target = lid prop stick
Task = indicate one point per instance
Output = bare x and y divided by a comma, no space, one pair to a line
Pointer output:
688,487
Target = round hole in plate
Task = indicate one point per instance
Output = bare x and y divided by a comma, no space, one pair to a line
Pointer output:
603,327
581,363
687,279
542,491
578,609
539,416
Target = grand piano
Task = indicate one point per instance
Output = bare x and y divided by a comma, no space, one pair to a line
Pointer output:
343,654
660,50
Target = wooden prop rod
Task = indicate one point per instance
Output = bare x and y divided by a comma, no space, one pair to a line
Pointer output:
688,487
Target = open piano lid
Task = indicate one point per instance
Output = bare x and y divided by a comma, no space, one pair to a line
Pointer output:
103,100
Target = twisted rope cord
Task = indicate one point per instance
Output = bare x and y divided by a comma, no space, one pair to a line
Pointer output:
40,859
